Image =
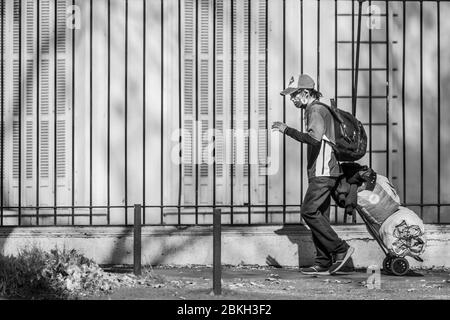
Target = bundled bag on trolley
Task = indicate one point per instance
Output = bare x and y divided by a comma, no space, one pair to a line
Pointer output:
400,229
404,233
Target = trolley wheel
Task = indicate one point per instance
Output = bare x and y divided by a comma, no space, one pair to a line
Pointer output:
387,262
399,266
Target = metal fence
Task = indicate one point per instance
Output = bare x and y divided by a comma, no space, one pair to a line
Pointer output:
108,103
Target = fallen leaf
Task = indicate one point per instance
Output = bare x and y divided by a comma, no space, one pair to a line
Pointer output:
236,285
289,288
271,279
260,285
346,281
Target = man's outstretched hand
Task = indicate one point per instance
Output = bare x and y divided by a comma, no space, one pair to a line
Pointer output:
280,126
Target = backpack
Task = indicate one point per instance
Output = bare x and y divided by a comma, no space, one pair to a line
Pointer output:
351,138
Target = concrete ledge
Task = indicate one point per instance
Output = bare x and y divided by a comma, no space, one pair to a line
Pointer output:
288,245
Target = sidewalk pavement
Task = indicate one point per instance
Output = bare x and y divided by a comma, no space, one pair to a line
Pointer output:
269,283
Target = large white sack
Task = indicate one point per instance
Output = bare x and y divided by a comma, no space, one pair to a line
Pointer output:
380,203
404,233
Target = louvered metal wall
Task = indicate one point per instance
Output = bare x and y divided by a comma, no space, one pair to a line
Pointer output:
90,116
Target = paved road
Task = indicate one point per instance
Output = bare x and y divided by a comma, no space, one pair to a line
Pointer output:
284,283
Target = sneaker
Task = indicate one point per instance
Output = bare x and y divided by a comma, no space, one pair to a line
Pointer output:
341,259
315,270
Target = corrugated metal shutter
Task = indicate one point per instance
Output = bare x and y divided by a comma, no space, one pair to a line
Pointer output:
222,86
16,93
29,89
260,120
63,101
2,114
188,17
20,128
205,98
45,105
241,99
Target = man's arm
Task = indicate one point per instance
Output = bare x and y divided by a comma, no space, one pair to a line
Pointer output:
316,129
301,136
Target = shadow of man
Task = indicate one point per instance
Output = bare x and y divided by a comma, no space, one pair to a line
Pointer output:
300,235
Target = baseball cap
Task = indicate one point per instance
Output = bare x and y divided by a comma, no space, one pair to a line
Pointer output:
304,82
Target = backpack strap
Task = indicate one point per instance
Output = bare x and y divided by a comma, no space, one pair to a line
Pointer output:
333,103
332,109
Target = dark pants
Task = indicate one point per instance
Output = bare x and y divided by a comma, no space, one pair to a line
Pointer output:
316,213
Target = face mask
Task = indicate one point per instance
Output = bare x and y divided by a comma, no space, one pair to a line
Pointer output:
301,98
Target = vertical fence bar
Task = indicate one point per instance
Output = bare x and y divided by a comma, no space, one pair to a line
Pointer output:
126,112
38,5
91,25
421,108
318,45
387,89
403,100
180,168
73,117
144,101
232,114
137,240
370,84
217,252
353,65
2,109
196,111
439,109
248,112
162,114
335,75
214,104
355,88
20,113
266,110
284,110
353,69
108,169
302,110
55,117
358,44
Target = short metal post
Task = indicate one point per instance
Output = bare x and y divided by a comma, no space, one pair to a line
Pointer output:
358,44
217,254
137,240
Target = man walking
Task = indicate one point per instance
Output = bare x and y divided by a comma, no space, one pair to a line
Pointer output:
323,172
